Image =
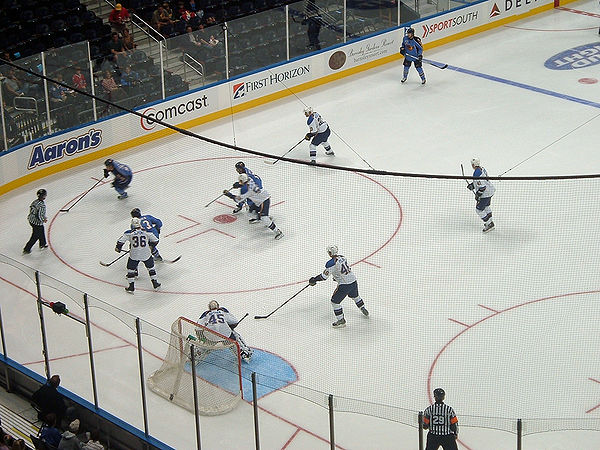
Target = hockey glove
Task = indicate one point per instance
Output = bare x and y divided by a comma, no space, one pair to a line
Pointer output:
477,196
402,51
420,57
118,247
236,185
312,281
308,136
470,186
106,173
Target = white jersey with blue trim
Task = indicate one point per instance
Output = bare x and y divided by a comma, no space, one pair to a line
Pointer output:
218,320
486,187
255,193
139,243
316,123
338,268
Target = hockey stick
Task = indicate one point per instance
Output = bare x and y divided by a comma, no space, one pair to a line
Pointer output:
268,315
462,169
266,161
171,261
245,315
85,193
212,201
114,260
428,61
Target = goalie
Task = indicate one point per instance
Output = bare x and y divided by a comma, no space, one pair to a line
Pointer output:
221,321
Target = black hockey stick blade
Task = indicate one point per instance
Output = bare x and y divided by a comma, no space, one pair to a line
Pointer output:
114,260
439,65
171,261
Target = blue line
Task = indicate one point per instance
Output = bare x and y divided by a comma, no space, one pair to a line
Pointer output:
526,86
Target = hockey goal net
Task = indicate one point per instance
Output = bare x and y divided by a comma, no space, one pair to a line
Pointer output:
218,369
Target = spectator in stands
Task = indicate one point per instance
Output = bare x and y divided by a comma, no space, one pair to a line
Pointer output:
49,433
112,90
94,442
160,18
79,80
129,78
4,438
69,440
49,400
127,39
12,86
58,93
191,42
185,14
19,444
119,18
210,20
116,48
209,42
192,6
6,56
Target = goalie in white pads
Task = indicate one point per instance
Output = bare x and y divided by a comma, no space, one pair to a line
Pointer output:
483,190
221,321
260,197
318,133
141,244
338,267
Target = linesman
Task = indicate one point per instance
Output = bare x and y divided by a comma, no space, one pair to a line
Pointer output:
37,218
442,423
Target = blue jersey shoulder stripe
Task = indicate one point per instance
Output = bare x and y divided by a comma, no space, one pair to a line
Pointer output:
477,172
330,263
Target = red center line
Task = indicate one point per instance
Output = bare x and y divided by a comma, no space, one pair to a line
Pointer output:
460,323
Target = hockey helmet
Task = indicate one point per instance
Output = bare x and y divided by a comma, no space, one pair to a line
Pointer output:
240,166
308,111
439,394
243,178
135,212
108,162
41,193
332,250
410,31
475,162
212,305
135,223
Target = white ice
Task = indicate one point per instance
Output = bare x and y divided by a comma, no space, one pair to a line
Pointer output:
506,322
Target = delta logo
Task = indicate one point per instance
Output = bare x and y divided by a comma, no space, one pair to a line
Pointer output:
495,11
41,154
239,90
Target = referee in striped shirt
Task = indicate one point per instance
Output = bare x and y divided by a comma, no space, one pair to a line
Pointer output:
442,423
37,218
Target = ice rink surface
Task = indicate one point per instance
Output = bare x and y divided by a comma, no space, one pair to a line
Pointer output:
506,322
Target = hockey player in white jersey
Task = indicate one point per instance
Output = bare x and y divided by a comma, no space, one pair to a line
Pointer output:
483,190
141,244
261,198
338,268
319,133
220,320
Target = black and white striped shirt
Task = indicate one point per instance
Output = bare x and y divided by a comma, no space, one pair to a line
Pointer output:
440,419
37,212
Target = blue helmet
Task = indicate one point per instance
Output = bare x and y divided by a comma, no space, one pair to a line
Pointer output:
108,162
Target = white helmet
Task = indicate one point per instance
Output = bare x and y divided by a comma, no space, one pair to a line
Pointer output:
243,178
308,111
213,304
332,250
475,162
135,223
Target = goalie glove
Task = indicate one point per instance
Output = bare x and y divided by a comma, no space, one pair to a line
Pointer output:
106,173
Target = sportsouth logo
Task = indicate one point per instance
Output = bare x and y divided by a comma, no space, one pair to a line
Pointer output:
495,11
239,90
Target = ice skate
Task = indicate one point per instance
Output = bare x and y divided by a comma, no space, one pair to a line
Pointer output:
155,284
43,247
122,196
129,289
403,80
246,356
237,209
313,161
364,311
26,252
339,323
329,152
423,80
254,220
488,227
157,258
278,234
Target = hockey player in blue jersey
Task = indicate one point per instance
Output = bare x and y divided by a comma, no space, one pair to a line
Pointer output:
412,50
318,133
152,225
338,268
122,173
240,168
483,190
